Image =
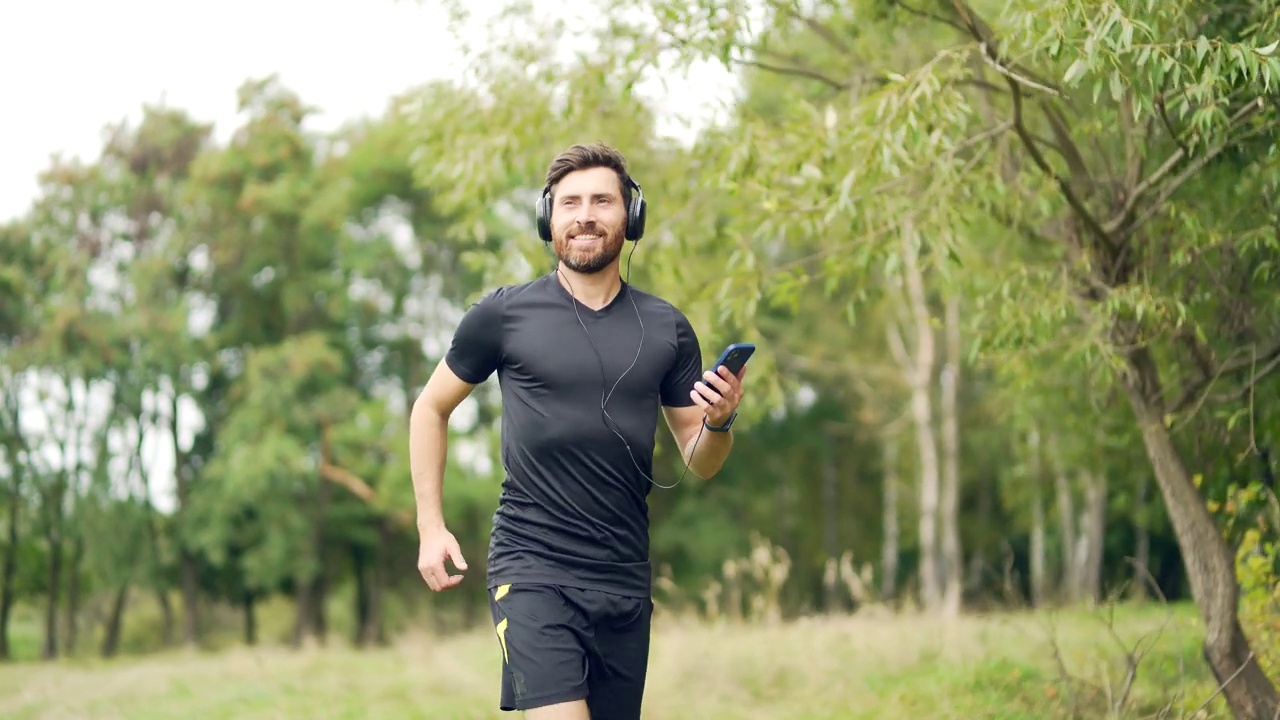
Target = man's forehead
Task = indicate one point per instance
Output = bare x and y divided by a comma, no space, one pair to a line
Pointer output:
593,181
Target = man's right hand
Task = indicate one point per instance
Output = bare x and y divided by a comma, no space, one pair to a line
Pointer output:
436,547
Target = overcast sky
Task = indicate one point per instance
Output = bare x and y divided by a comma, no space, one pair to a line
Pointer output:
69,67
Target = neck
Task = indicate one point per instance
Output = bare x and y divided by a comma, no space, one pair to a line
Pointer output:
594,290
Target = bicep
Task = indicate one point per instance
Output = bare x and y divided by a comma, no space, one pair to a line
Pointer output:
444,391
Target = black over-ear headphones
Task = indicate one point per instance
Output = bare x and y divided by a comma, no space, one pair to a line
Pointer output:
635,212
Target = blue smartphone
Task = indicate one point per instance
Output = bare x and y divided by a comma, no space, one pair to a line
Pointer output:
734,357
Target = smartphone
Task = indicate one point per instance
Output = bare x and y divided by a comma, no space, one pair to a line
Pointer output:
734,357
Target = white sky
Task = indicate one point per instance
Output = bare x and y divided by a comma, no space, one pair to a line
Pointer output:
69,67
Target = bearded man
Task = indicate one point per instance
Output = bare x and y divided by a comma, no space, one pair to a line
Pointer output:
585,361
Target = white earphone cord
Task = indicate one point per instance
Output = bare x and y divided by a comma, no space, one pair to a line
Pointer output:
604,397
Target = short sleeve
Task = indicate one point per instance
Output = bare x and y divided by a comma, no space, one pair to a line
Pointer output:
476,349
687,368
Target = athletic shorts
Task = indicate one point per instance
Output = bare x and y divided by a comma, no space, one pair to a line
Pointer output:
561,644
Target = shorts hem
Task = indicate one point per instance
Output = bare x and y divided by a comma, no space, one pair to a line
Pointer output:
548,699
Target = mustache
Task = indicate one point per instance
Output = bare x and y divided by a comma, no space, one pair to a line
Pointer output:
590,229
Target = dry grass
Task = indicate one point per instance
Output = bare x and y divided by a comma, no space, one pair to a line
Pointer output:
998,667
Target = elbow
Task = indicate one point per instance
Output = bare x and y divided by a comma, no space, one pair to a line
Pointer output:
426,412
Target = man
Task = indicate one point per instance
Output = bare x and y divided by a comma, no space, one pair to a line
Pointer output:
584,362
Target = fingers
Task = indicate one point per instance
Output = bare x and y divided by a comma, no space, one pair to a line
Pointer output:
704,396
438,578
455,555
433,569
721,380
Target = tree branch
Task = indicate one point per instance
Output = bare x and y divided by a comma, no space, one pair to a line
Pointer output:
818,29
982,34
1028,141
794,72
929,16
352,482
991,59
1131,202
1195,394
1255,377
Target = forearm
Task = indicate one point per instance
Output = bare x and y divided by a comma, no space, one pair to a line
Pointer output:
428,442
706,452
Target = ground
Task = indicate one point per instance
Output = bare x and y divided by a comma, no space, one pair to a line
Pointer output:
997,667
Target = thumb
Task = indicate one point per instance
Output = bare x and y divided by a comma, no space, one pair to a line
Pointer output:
455,554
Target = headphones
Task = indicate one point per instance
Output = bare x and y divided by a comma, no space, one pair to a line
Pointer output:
633,195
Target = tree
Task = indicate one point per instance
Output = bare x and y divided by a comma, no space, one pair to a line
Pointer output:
1105,192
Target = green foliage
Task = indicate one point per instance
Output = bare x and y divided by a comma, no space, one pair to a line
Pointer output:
1086,180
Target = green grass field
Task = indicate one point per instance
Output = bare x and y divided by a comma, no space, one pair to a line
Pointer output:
999,667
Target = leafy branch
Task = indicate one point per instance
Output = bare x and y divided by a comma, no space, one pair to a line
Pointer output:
1262,364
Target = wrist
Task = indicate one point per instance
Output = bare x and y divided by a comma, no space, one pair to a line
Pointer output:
722,425
430,525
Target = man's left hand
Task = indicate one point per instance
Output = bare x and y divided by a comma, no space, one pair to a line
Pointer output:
718,394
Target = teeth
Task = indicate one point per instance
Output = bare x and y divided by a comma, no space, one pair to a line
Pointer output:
586,237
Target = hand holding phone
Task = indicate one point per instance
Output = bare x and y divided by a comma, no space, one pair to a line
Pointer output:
717,395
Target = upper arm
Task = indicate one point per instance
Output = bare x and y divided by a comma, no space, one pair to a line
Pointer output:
444,391
683,417
473,355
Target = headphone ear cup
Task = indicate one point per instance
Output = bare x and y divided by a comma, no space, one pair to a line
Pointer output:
542,216
636,214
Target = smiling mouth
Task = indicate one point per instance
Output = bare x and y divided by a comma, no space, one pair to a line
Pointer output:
585,238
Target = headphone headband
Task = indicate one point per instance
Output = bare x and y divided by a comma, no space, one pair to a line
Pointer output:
636,211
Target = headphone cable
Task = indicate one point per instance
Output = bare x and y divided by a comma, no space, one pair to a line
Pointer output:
606,418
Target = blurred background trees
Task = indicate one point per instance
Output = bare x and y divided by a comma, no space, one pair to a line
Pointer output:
1009,268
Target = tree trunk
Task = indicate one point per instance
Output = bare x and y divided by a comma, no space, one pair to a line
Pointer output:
188,571
1093,533
1038,558
73,594
982,567
918,369
830,520
1071,576
49,650
376,631
157,575
1064,500
247,602
190,597
8,571
889,548
115,621
360,573
1205,553
303,623
952,554
1142,541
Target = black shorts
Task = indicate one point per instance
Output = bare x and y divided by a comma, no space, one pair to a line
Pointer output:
561,644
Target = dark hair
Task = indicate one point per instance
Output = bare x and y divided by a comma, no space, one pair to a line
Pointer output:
583,157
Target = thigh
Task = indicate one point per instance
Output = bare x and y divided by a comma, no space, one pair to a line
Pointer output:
543,643
620,659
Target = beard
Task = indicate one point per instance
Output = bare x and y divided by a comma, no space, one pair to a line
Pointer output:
593,258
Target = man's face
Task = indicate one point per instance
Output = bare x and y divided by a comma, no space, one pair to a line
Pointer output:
588,219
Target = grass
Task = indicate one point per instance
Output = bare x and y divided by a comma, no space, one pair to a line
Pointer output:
998,667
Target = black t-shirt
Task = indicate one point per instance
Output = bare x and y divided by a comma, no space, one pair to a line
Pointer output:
573,510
